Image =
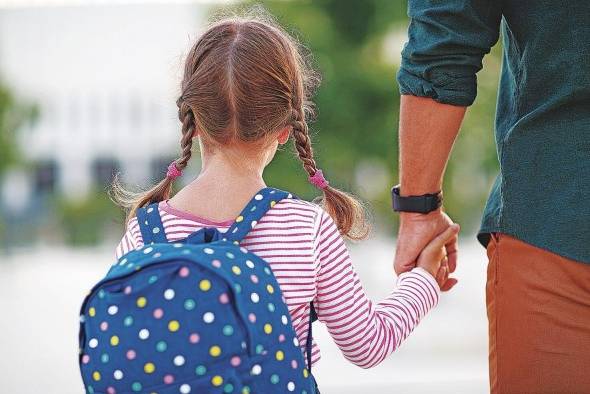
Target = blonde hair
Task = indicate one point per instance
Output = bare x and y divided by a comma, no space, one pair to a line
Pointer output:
245,78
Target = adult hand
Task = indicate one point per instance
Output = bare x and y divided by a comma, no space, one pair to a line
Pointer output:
415,232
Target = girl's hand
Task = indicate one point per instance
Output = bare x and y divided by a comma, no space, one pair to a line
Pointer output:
433,257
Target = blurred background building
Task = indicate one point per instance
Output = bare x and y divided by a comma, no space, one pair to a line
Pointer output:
88,89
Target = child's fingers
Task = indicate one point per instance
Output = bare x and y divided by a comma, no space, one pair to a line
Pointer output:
449,284
434,247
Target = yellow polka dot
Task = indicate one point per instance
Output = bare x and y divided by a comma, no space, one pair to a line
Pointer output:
239,219
272,203
92,312
217,380
114,340
205,285
173,325
305,373
267,328
280,355
270,289
236,270
149,368
215,351
141,302
96,375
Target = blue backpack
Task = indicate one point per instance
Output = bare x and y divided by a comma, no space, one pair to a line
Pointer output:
203,315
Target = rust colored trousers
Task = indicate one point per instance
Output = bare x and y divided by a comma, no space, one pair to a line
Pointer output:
538,307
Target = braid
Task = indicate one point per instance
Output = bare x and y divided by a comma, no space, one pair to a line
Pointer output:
187,118
302,141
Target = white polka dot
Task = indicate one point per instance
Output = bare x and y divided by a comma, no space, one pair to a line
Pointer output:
255,297
208,250
118,374
150,210
156,255
256,370
244,250
169,294
254,223
291,386
289,195
235,230
258,197
208,317
185,389
156,230
82,319
113,309
148,250
284,320
93,343
295,341
177,245
146,222
250,264
144,334
179,361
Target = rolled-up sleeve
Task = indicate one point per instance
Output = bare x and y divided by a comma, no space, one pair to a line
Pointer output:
447,41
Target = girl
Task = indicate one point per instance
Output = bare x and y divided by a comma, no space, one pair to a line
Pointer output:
246,89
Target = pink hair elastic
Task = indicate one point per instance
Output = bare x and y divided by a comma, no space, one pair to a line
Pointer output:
318,180
173,171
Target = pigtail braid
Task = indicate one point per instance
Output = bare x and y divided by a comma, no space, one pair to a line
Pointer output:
348,213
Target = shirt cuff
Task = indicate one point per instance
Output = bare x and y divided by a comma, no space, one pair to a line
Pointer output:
425,282
446,89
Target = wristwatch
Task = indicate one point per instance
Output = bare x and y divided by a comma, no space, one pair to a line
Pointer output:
419,204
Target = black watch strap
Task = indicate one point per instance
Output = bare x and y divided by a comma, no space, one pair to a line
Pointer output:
420,204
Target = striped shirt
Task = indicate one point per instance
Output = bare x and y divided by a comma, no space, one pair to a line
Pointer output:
310,260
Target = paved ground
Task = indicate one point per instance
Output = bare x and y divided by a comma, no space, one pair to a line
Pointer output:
41,291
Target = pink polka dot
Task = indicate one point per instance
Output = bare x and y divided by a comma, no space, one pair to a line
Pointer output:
294,364
158,313
85,359
194,338
252,318
104,326
111,390
254,278
235,361
131,354
216,263
168,379
183,272
127,290
223,298
281,338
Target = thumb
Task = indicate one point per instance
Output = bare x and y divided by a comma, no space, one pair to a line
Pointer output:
441,240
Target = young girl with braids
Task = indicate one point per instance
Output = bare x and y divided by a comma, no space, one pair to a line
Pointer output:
246,89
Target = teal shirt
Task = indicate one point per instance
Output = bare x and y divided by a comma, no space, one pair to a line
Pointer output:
542,194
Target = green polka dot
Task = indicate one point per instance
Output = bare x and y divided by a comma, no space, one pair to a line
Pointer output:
128,321
90,390
259,349
101,293
228,330
189,304
228,388
152,279
161,346
238,288
267,270
253,208
201,370
136,386
274,379
104,358
271,307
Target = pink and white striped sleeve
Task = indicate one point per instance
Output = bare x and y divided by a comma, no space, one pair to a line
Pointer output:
365,332
131,240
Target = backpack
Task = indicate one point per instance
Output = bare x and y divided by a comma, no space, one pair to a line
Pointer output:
203,315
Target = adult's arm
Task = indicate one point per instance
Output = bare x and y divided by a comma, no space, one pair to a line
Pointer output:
437,79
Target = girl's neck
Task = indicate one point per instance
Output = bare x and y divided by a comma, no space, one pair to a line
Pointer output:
222,188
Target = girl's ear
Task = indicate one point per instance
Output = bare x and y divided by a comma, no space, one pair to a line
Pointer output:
284,135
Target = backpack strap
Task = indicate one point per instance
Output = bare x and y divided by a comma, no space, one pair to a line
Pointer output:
264,200
150,225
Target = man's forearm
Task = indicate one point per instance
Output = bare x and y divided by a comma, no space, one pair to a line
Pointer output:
426,135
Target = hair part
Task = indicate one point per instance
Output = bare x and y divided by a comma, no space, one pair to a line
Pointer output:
245,79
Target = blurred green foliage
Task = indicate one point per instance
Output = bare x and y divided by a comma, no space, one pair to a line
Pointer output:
352,43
